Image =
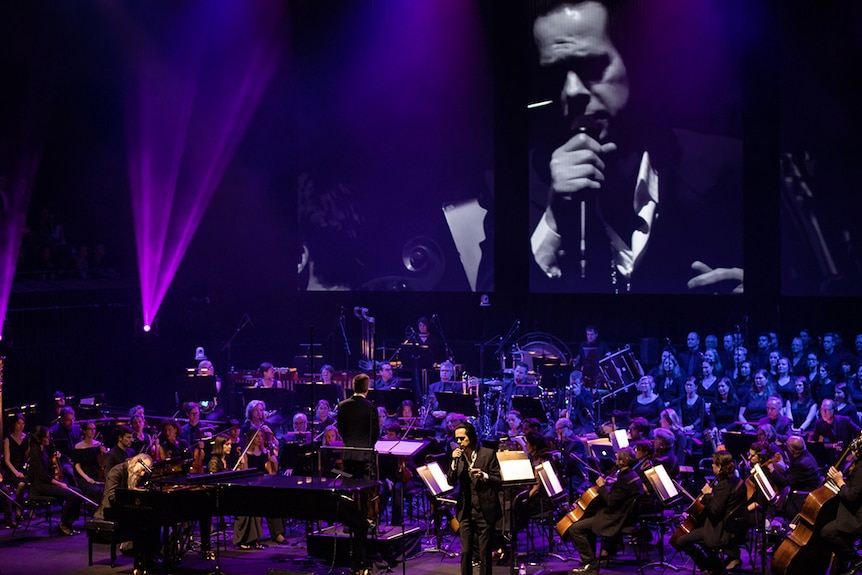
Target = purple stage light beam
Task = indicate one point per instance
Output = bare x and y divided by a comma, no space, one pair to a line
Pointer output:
192,94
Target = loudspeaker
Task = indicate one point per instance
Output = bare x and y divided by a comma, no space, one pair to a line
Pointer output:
649,352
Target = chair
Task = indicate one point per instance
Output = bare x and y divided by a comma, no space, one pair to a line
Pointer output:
35,503
103,532
630,530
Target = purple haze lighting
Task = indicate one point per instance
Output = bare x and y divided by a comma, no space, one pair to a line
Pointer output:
192,92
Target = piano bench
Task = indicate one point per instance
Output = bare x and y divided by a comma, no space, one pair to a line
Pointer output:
100,531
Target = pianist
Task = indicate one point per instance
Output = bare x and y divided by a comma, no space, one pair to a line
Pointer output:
129,475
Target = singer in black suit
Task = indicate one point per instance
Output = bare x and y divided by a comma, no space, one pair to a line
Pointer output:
476,472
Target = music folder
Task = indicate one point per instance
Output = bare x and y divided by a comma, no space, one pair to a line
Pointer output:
515,467
549,480
403,447
662,485
435,479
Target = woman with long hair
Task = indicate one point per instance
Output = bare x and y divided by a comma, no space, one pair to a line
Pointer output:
15,461
753,405
42,481
801,409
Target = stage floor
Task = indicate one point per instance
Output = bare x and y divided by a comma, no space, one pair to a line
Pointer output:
35,551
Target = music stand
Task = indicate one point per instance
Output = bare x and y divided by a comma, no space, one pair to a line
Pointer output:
529,406
391,399
516,470
550,482
665,489
276,398
452,402
197,387
402,448
331,392
438,486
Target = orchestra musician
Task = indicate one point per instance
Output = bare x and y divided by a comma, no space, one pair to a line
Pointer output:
841,534
66,434
435,415
170,445
141,440
385,378
44,482
663,443
833,428
476,472
619,494
86,456
580,405
723,500
802,473
323,415
15,459
195,433
267,373
120,452
257,456
129,475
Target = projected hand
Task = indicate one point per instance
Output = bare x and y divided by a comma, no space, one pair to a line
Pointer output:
710,276
577,165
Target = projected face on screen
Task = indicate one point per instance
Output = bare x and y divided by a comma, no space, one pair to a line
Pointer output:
396,139
611,209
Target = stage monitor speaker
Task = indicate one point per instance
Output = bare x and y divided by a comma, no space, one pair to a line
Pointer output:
649,352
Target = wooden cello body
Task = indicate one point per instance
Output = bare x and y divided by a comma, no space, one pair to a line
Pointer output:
799,553
691,521
586,505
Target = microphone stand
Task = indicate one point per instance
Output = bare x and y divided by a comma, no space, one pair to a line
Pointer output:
449,354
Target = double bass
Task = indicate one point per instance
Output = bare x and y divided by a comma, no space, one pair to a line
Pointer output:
799,553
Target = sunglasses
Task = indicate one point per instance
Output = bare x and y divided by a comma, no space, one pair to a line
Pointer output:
460,439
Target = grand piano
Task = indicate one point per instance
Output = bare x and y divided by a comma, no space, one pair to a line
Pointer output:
173,500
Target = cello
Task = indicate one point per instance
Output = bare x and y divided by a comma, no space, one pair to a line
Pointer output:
797,554
692,518
588,504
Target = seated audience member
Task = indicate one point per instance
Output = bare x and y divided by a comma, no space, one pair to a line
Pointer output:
753,404
647,404
843,404
801,408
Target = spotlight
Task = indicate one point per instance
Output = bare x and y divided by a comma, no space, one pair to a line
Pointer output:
147,327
